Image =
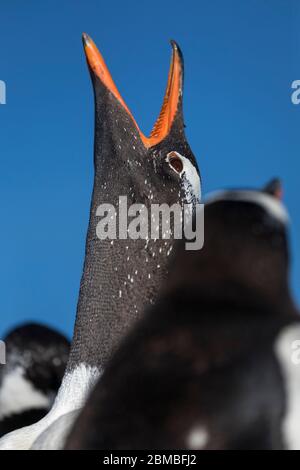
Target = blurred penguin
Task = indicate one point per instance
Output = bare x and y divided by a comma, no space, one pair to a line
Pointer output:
212,364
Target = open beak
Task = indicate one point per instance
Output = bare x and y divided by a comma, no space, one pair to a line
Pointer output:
275,188
172,96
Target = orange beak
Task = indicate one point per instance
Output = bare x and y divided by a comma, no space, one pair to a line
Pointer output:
173,92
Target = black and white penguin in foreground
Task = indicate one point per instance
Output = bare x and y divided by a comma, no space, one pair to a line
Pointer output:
120,276
36,358
213,365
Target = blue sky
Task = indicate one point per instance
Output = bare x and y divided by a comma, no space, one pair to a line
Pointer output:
241,58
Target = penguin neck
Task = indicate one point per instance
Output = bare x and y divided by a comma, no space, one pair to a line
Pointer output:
219,281
120,276
242,293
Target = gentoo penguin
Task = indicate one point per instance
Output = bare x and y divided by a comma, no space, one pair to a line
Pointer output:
211,365
36,358
121,276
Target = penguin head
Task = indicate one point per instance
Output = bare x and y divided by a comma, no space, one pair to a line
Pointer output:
245,247
257,215
252,240
36,358
158,168
40,352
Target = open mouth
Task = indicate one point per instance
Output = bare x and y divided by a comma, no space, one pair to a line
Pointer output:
171,99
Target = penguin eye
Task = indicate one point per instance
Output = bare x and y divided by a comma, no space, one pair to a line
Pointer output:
175,162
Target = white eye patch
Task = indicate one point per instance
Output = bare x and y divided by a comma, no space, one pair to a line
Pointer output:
270,204
187,171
